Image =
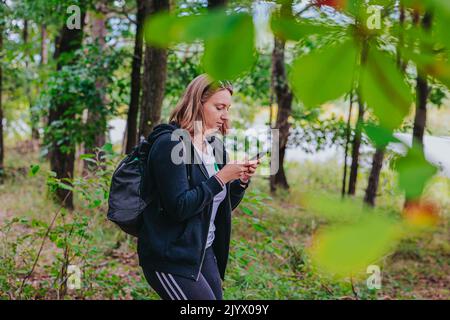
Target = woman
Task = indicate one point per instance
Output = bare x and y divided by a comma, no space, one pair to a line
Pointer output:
183,246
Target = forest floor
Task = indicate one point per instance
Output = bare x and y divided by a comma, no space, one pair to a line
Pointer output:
268,257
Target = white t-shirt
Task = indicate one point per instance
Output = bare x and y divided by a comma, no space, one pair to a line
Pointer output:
209,160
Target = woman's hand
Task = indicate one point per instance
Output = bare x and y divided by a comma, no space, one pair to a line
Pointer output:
251,169
237,169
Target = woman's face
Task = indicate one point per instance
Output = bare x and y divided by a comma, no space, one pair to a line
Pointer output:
216,110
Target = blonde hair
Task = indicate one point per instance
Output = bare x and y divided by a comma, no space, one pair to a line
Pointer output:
190,107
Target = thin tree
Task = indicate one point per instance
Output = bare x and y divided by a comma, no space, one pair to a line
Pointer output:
43,53
348,130
2,153
33,117
154,78
131,134
62,161
422,92
378,156
356,143
44,47
98,33
284,100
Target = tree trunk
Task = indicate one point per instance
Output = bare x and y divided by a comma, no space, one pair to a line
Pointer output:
355,149
154,78
422,92
212,4
284,101
131,131
43,60
374,178
347,141
25,35
2,152
95,119
62,163
421,109
44,47
420,117
357,137
34,119
401,38
270,112
377,160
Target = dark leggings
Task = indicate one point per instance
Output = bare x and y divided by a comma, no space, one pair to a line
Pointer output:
173,287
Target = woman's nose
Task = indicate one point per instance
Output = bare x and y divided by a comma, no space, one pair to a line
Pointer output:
224,115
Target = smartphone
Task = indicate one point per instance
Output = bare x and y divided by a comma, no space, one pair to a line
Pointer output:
259,155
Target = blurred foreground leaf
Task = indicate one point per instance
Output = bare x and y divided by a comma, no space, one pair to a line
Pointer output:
228,39
324,75
413,172
292,29
332,207
384,90
348,250
379,136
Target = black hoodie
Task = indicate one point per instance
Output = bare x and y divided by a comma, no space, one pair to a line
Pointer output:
176,223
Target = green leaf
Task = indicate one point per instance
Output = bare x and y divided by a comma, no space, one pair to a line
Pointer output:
52,174
348,250
379,136
65,186
384,90
383,3
247,211
90,160
422,46
413,172
60,243
437,96
34,169
95,203
108,148
324,75
354,8
332,207
291,29
228,39
259,227
442,20
163,29
227,56
87,156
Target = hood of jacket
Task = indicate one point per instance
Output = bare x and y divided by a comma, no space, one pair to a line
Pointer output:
160,129
168,128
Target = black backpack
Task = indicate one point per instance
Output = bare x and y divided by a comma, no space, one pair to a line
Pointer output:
128,196
130,190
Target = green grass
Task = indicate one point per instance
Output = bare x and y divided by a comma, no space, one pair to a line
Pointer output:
270,237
